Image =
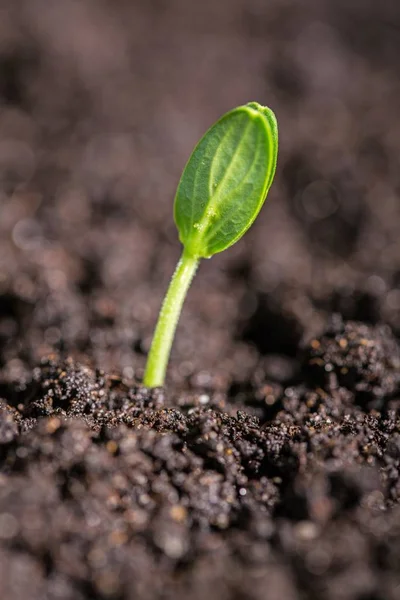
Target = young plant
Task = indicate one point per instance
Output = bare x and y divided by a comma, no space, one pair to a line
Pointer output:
221,192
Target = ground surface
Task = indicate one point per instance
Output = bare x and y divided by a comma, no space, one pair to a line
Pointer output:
268,469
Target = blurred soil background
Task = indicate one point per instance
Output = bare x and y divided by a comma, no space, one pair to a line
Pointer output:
268,468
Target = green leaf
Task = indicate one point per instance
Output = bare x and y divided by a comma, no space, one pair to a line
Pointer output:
226,180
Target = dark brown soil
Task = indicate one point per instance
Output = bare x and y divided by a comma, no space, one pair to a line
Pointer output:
268,469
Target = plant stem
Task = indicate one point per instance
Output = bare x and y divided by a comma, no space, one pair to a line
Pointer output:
158,357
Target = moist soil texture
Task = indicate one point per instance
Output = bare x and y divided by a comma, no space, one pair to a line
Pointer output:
268,467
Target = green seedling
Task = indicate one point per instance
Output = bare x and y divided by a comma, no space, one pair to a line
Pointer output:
221,192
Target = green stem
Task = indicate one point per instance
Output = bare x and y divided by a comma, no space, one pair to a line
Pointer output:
157,360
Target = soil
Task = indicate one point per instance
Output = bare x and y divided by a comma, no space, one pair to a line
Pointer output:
268,467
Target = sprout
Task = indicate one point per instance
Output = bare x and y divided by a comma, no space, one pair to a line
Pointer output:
221,192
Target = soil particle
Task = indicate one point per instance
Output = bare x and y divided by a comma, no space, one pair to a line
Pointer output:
358,357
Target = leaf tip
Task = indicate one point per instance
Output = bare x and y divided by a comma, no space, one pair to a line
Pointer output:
267,113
